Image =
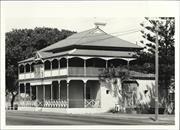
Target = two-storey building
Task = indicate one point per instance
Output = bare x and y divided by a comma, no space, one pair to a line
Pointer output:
65,74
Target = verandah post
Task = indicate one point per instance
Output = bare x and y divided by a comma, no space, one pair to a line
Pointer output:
19,91
84,67
67,95
30,92
36,92
106,64
25,91
51,92
25,94
59,90
44,91
85,95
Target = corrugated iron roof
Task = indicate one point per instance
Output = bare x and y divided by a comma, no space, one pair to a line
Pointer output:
92,37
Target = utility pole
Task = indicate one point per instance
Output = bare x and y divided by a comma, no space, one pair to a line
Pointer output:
156,76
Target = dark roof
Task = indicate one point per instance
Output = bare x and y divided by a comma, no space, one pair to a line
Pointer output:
96,38
92,37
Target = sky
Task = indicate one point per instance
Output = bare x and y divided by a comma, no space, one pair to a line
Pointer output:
79,16
125,28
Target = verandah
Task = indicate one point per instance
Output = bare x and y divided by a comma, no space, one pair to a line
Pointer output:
75,94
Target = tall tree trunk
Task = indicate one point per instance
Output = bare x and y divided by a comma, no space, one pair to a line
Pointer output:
13,99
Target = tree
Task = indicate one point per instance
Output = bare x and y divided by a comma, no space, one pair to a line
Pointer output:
166,30
14,92
21,44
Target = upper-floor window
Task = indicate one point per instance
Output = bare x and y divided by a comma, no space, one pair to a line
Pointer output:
55,64
27,68
21,69
32,67
47,65
63,62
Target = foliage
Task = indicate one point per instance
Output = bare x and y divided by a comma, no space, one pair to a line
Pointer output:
111,72
22,43
12,93
165,26
145,62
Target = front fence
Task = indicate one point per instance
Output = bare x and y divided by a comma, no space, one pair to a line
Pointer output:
92,103
46,103
55,103
89,103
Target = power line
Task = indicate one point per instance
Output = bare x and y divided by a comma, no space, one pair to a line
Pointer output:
110,37
98,35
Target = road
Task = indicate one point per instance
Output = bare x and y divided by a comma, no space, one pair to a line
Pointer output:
40,118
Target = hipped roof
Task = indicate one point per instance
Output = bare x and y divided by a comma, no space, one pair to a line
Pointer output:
96,38
93,37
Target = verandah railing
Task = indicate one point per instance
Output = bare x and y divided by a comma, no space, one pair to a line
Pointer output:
88,71
73,71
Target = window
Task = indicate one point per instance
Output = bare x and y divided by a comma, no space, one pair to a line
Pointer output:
63,62
27,68
145,91
32,67
21,69
47,65
55,64
107,91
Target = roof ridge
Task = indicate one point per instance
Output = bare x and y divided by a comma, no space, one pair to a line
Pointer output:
97,28
85,35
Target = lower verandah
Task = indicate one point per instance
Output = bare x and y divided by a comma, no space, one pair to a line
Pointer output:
75,94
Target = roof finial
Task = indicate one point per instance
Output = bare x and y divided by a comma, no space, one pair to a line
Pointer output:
97,24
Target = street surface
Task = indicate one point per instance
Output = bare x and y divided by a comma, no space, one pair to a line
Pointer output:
46,118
